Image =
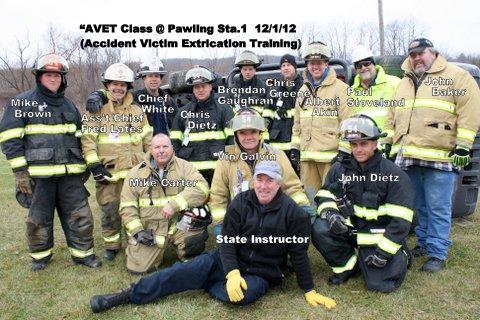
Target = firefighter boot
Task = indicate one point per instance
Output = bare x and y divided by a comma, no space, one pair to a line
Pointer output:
110,254
91,261
100,303
40,264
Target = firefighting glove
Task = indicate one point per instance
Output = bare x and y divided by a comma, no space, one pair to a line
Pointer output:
235,284
461,156
95,101
376,260
314,298
336,223
100,174
295,158
387,148
281,113
23,182
145,237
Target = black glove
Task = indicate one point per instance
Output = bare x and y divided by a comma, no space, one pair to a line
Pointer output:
376,260
100,173
336,223
295,158
460,156
145,237
95,101
387,148
281,112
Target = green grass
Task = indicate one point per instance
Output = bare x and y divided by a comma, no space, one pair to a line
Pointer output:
63,290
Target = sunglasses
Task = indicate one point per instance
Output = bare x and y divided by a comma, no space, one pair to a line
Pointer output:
359,65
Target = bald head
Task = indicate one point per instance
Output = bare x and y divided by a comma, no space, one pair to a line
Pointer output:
161,149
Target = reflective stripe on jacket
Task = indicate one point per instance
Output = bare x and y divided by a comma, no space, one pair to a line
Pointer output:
317,118
431,123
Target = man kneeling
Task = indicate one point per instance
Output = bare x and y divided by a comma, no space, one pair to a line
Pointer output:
365,203
244,267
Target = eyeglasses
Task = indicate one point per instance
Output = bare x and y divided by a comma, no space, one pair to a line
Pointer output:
361,64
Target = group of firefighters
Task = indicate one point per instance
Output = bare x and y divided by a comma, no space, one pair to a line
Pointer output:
310,156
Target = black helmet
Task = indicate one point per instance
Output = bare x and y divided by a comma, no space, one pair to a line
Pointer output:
360,127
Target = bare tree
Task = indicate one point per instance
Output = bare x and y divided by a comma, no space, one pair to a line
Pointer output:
398,34
13,72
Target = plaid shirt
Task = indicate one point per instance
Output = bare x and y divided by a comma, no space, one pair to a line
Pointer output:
405,162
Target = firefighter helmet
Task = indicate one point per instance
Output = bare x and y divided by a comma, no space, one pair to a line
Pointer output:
194,219
50,63
197,75
118,72
317,50
360,127
247,58
247,118
361,53
152,66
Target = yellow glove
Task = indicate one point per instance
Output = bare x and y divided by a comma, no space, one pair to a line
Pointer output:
235,283
315,298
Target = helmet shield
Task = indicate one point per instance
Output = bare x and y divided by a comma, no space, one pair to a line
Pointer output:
246,121
198,75
153,66
50,63
359,128
317,50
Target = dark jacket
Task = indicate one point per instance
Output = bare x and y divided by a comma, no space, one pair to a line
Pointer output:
208,133
160,113
258,100
377,204
281,129
42,136
282,217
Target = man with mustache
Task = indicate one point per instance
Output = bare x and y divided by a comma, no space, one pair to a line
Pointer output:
432,137
234,171
243,269
157,104
155,193
114,140
371,84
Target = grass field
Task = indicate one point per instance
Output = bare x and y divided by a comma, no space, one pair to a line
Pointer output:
63,290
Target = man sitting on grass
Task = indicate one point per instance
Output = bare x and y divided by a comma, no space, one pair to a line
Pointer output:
261,227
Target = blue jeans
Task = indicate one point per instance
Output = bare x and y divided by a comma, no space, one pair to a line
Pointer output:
202,272
433,204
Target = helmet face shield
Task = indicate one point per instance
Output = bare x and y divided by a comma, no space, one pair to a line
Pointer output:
250,121
247,58
317,50
359,128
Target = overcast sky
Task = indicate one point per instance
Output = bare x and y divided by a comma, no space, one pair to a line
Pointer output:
451,25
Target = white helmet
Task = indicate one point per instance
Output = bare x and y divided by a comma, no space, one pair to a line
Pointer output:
118,72
197,75
247,58
317,50
152,66
360,52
